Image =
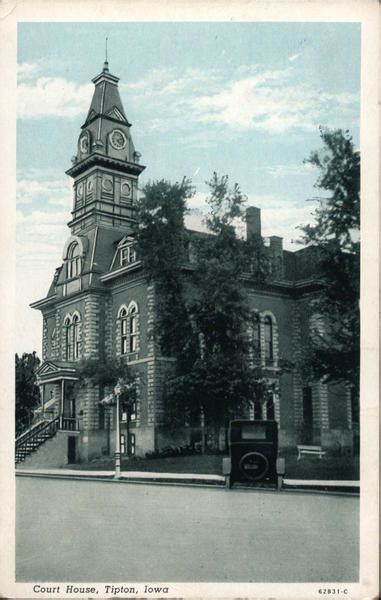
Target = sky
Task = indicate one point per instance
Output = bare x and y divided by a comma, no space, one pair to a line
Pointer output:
241,99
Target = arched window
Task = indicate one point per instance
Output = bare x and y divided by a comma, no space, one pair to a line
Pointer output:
71,336
128,328
73,260
132,324
123,330
68,339
75,331
268,327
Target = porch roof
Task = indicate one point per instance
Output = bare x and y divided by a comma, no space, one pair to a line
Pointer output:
56,371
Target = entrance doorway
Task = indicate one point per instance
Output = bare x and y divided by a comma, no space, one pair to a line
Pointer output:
71,449
69,401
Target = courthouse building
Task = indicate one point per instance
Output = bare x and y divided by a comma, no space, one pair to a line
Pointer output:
100,306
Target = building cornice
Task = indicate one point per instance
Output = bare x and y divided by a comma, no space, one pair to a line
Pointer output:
121,271
101,159
66,300
43,302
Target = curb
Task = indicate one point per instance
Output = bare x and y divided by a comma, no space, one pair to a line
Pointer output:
199,482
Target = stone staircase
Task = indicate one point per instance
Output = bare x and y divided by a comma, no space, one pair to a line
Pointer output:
29,442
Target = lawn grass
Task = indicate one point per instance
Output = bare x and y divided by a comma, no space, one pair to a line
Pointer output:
331,467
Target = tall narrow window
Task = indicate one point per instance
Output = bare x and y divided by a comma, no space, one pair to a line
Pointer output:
270,409
132,317
355,406
307,415
257,411
256,337
133,411
68,339
131,444
74,261
75,329
269,352
123,331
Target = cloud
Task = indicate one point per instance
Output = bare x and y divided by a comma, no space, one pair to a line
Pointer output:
52,96
278,217
268,101
27,70
251,99
282,217
40,237
166,100
294,57
55,192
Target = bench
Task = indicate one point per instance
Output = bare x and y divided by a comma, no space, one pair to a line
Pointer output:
314,450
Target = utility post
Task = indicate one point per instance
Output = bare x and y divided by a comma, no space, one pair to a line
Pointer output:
117,392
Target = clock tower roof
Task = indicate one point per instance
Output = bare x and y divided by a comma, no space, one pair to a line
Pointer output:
106,100
105,133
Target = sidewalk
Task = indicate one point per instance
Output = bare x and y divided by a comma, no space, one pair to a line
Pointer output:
186,478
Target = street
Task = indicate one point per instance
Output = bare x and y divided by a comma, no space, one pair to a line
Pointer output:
98,531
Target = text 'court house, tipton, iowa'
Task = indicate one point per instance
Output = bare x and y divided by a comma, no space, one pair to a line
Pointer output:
101,306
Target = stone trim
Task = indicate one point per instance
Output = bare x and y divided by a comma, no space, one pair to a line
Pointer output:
296,333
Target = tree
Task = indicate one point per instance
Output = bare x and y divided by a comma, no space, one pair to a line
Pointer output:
106,374
335,352
220,377
202,315
27,392
161,237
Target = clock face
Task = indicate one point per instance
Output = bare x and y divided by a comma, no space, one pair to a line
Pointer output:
89,185
84,143
80,190
117,139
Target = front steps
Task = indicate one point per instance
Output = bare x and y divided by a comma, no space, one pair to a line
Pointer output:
52,454
47,444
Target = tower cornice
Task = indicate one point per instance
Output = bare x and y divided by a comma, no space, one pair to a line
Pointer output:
96,158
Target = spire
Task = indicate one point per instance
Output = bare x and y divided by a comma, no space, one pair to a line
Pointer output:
106,100
105,64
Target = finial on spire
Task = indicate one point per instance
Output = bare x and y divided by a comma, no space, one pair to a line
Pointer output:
105,65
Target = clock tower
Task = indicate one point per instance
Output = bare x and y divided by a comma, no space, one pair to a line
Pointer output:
106,166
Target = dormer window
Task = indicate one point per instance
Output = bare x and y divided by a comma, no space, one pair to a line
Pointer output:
73,261
127,255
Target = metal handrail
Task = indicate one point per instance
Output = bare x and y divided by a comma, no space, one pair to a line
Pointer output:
33,435
30,430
